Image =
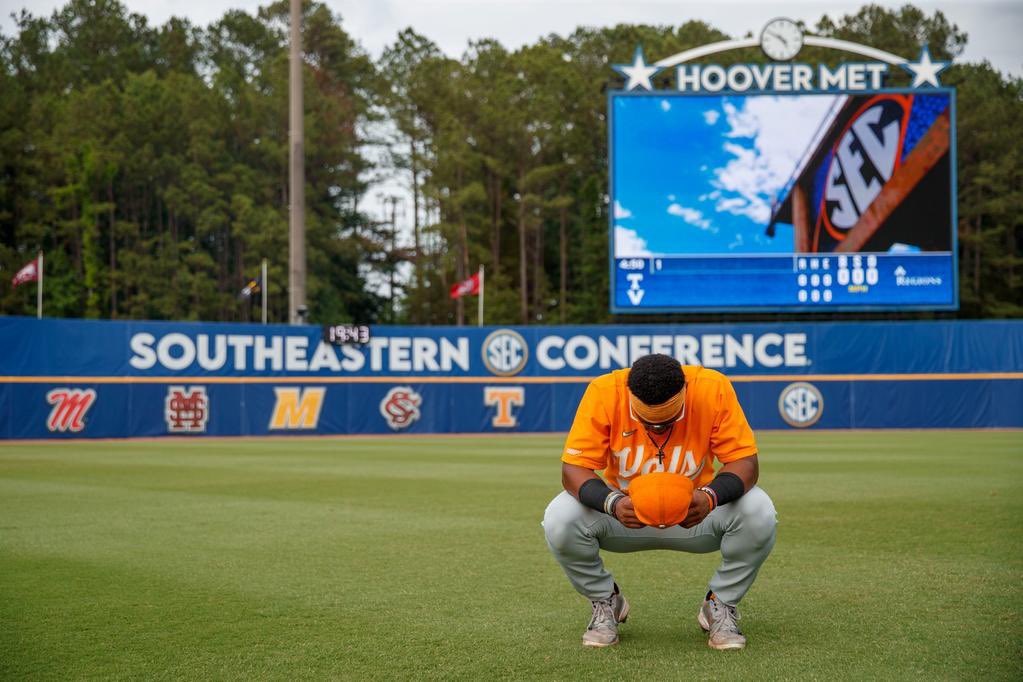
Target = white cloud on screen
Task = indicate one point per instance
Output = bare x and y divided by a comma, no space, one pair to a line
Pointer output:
742,122
665,105
711,116
692,217
621,212
628,243
731,205
774,132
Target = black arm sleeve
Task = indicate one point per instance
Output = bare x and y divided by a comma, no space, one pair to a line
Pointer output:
593,492
726,485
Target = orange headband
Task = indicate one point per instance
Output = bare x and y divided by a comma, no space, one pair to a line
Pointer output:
656,414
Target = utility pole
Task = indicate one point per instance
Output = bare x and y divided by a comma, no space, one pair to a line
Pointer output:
394,251
296,240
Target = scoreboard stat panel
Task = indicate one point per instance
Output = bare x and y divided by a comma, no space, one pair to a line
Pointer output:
784,281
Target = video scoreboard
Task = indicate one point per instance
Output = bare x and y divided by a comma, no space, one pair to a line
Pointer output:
802,202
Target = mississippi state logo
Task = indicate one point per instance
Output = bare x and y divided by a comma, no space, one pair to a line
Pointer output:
69,408
801,404
400,407
186,411
505,352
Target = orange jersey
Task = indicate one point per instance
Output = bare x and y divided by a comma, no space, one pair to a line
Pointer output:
607,436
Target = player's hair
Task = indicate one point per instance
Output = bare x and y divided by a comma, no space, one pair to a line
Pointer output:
656,378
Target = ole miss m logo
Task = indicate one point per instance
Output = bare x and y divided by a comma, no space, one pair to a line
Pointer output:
69,408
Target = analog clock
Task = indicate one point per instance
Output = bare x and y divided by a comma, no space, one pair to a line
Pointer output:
781,39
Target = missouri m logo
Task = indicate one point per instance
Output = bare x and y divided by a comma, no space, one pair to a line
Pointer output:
69,408
297,409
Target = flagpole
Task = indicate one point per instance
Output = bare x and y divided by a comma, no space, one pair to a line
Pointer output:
479,311
39,289
263,289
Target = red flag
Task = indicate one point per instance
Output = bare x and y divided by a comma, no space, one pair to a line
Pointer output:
466,287
29,273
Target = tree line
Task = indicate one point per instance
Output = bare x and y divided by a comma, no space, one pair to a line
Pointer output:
150,164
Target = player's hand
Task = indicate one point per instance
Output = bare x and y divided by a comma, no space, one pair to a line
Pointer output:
698,509
626,513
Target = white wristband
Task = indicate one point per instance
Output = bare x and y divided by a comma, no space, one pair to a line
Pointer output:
609,501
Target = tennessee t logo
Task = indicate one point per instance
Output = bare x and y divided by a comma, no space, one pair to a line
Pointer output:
504,398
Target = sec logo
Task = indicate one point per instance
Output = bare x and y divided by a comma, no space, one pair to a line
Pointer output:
863,160
801,404
400,407
505,352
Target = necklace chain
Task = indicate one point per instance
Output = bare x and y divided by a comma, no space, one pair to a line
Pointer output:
660,448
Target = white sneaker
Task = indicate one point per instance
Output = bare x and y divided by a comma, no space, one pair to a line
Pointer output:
607,614
721,620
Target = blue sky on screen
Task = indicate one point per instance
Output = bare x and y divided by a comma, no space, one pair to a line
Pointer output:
698,174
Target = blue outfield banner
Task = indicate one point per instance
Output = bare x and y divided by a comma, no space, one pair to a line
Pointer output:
91,379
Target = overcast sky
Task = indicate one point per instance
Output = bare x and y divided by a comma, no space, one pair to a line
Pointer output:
994,26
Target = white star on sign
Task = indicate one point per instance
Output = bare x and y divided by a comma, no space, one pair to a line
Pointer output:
637,73
924,70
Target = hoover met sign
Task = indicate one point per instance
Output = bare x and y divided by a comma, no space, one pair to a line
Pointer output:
781,40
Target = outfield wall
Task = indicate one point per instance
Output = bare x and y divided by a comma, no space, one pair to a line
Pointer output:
93,379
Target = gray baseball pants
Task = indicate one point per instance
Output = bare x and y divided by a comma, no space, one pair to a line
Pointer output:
744,531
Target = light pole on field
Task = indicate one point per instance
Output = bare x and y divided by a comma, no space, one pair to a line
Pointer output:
296,232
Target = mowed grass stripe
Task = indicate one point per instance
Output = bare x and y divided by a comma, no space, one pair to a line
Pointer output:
899,555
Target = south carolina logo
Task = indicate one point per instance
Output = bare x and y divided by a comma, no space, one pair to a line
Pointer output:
801,404
400,407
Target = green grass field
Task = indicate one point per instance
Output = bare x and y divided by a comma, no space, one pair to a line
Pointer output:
899,555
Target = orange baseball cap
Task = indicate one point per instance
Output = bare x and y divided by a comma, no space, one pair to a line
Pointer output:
661,499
